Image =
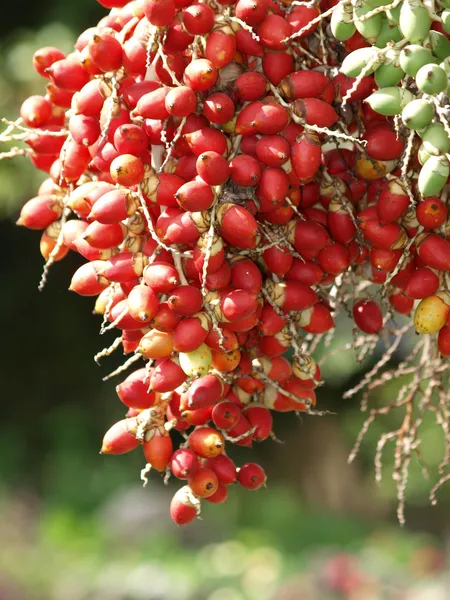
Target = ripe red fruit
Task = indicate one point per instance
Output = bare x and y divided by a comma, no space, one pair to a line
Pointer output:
161,277
306,155
159,12
315,112
303,84
45,57
36,111
276,65
87,280
273,150
260,420
237,225
206,442
156,344
121,437
130,139
435,252
127,170
251,476
198,18
225,415
272,31
220,495
220,48
181,101
383,142
245,275
245,170
212,168
68,74
184,463
40,212
250,86
368,316
105,52
133,391
204,483
251,12
195,196
204,392
223,467
185,301
200,75
431,213
184,507
158,448
219,108
190,333
422,284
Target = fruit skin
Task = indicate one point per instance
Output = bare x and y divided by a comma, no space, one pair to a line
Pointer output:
368,316
121,437
184,508
206,442
431,315
158,448
133,391
251,476
204,483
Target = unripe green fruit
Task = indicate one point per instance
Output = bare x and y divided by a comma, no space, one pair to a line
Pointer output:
342,26
355,62
388,75
418,114
433,176
370,28
436,140
414,21
376,3
445,64
389,101
445,19
393,15
423,155
388,33
431,79
439,45
413,57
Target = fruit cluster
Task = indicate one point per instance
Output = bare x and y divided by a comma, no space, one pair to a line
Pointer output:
230,170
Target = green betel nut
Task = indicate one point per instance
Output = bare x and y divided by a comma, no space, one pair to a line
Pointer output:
423,155
431,79
369,28
418,114
388,75
388,33
355,62
342,26
414,21
439,45
413,57
393,15
436,140
389,101
433,176
445,19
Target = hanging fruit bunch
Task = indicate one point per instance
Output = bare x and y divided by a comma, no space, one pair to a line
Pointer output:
235,175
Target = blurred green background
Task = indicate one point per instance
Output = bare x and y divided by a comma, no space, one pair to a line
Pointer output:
78,526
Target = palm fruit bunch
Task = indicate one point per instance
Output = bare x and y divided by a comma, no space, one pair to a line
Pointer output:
237,174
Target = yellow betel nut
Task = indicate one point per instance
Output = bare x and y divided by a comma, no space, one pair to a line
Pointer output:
431,315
